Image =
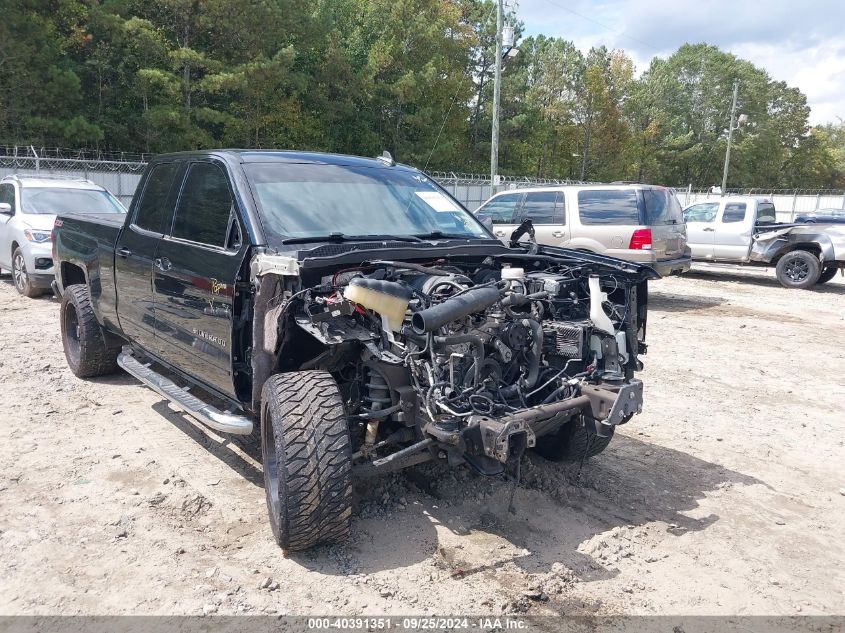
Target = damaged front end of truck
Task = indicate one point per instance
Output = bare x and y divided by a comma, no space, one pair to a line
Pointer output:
466,359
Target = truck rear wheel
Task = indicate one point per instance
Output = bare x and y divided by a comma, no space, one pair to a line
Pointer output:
827,274
88,350
307,459
798,269
572,442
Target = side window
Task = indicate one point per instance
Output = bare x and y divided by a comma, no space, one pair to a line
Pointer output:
543,207
705,212
7,195
152,208
501,209
609,206
734,212
234,239
205,206
766,213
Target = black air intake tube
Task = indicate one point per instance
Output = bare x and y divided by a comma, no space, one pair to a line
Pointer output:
471,301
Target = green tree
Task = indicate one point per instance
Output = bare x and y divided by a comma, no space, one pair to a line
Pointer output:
41,94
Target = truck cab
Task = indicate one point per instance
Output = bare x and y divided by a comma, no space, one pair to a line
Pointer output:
722,230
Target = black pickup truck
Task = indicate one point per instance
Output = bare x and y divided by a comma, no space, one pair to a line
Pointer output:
356,316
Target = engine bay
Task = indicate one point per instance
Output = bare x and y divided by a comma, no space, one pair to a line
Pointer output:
470,361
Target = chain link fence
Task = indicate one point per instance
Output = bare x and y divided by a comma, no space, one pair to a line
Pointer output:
119,172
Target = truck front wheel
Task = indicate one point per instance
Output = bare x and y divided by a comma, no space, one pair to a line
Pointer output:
798,269
88,350
307,459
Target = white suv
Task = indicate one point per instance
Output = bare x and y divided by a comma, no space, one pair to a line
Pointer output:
28,209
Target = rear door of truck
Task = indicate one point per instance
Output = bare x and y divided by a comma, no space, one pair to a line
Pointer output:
195,270
135,250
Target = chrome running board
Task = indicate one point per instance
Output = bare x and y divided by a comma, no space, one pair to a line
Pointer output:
190,404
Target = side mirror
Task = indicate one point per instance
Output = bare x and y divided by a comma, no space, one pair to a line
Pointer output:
5,208
487,221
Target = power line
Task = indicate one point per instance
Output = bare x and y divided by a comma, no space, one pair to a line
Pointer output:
604,26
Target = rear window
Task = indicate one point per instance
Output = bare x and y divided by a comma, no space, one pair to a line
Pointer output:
608,206
766,213
661,207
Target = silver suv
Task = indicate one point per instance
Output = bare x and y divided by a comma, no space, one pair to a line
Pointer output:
640,223
28,209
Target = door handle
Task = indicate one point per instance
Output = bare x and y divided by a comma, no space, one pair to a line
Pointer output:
162,263
557,234
708,230
500,233
124,252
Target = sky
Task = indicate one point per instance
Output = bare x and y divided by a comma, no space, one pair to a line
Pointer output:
799,42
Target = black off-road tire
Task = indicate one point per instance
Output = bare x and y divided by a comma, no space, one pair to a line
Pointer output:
827,274
571,443
798,269
88,349
20,276
307,457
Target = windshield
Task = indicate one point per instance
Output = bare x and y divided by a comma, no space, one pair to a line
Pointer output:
312,200
57,201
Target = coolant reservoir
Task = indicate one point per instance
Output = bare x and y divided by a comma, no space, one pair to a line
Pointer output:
597,316
387,298
516,276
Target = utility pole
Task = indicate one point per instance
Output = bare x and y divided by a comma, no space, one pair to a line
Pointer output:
730,138
497,90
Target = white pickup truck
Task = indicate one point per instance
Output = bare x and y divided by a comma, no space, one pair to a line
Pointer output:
745,230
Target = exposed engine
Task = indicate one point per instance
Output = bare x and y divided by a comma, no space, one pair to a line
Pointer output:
472,362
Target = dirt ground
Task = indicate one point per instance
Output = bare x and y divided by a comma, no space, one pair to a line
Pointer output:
726,496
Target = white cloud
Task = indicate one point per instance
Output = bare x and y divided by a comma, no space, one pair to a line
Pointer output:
800,44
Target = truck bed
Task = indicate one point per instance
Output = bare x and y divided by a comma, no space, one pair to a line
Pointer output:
88,241
115,220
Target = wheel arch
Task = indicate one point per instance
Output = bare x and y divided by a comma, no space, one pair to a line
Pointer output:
810,247
70,274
